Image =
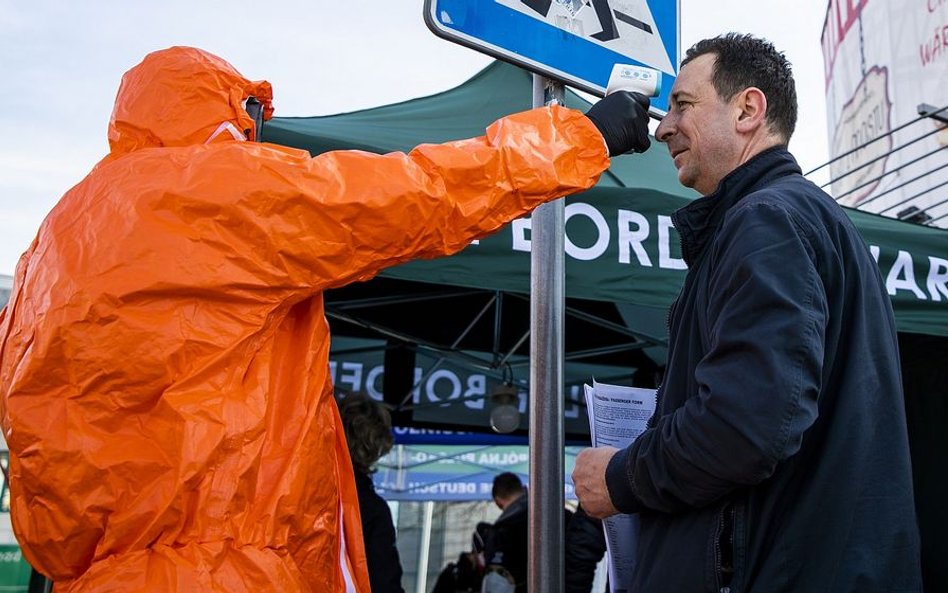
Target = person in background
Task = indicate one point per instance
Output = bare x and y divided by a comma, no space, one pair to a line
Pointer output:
505,546
164,376
584,547
368,428
778,458
467,573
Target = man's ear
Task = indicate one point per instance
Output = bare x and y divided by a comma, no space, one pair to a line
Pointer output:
752,105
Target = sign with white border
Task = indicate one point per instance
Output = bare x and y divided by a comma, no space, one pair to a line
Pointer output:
575,41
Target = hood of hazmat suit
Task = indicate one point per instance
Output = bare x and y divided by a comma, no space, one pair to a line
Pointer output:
164,378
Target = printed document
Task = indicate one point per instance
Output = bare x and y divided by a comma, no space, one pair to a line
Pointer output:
617,416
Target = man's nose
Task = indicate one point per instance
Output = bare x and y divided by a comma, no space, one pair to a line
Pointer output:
665,129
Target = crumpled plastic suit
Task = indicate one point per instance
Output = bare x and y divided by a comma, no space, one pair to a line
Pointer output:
164,382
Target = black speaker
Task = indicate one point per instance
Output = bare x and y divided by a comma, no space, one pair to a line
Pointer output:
398,380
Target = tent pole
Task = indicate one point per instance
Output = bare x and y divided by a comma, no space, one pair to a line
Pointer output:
547,305
424,547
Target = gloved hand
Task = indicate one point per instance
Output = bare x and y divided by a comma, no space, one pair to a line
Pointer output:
622,119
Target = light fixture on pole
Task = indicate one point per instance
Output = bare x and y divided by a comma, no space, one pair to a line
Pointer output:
505,410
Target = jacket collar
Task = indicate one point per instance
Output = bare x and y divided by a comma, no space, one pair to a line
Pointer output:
516,506
698,221
363,480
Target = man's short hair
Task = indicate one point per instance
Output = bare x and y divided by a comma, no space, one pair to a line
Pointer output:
506,485
744,61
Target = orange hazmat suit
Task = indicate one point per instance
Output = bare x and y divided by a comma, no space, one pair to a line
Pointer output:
164,383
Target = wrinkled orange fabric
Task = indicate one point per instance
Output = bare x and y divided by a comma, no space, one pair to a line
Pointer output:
164,382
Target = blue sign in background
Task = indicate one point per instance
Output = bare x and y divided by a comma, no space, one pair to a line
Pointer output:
456,472
510,35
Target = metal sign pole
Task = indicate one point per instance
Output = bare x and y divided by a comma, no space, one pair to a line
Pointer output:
547,283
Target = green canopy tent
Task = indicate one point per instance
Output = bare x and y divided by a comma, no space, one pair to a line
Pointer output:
470,310
623,258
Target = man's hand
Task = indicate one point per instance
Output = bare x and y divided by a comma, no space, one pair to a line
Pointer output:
589,477
622,119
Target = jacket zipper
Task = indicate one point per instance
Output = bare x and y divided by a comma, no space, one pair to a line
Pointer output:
724,548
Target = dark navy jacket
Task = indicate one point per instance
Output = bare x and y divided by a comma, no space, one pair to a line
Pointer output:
778,457
378,532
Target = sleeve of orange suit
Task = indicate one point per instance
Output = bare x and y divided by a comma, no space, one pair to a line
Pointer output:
345,215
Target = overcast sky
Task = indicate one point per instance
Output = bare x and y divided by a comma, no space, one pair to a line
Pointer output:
63,60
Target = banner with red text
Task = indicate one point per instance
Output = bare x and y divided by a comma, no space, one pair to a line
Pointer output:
883,59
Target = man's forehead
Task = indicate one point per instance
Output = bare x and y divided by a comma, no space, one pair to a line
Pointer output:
693,75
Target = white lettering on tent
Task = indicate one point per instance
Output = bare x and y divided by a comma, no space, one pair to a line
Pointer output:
442,375
415,456
937,278
442,488
602,231
357,376
476,385
409,431
416,392
352,375
571,408
665,260
372,380
633,239
633,230
519,229
902,276
502,458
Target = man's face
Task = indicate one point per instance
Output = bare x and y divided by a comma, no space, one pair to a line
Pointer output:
700,128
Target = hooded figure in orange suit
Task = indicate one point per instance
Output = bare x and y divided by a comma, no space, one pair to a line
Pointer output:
164,382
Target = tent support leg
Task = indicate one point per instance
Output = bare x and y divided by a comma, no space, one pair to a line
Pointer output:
421,581
547,326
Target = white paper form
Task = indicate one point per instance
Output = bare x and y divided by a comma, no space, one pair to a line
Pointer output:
617,416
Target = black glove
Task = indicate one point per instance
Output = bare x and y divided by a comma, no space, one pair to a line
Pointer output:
622,119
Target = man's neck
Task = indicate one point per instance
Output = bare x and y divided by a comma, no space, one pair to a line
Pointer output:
758,144
506,502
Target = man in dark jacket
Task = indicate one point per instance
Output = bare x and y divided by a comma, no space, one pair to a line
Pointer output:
506,542
584,545
777,459
505,547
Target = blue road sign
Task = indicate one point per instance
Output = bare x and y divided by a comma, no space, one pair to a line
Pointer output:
575,41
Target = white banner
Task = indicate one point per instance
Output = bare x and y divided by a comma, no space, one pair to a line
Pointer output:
884,58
